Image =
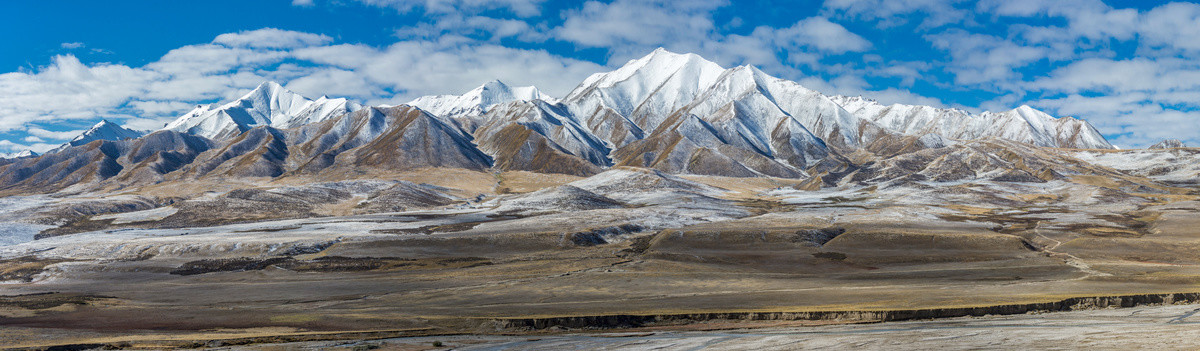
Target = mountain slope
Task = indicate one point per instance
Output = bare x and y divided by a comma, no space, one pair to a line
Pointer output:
397,138
536,136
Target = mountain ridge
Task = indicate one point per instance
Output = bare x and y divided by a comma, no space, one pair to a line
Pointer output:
675,113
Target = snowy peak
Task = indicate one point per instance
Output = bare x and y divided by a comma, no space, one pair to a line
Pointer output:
319,110
19,154
478,100
1168,144
104,130
270,104
656,68
1024,124
655,84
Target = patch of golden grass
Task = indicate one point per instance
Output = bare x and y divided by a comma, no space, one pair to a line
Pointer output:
295,318
1046,198
972,210
524,181
1094,180
744,187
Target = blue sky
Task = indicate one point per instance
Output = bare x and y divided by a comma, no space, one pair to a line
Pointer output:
1132,68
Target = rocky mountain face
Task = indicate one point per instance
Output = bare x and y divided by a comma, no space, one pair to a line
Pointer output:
675,113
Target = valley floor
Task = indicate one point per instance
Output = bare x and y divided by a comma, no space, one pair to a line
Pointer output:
678,262
1175,327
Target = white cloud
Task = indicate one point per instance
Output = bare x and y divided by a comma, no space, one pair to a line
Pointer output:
524,8
821,34
1171,27
335,82
1119,76
33,139
1142,100
53,135
342,55
415,68
67,89
157,108
74,45
147,123
486,28
892,13
986,59
39,148
271,38
304,3
633,27
145,97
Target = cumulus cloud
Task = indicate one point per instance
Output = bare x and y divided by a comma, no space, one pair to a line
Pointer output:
271,38
525,8
67,90
484,28
639,24
1142,100
822,35
1171,28
1070,57
53,135
148,96
416,68
986,59
1086,18
892,13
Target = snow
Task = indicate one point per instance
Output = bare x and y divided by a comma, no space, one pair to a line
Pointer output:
741,109
154,214
270,104
1168,144
478,100
104,130
19,154
1024,124
12,210
1179,165
652,86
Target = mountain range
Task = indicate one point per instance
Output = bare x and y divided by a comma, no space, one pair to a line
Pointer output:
676,113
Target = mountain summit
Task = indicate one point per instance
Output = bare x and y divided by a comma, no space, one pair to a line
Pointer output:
104,130
270,104
478,100
673,113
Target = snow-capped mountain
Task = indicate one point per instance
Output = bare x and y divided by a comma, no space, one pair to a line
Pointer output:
682,113
1168,144
104,130
1024,124
674,113
19,154
270,104
478,100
